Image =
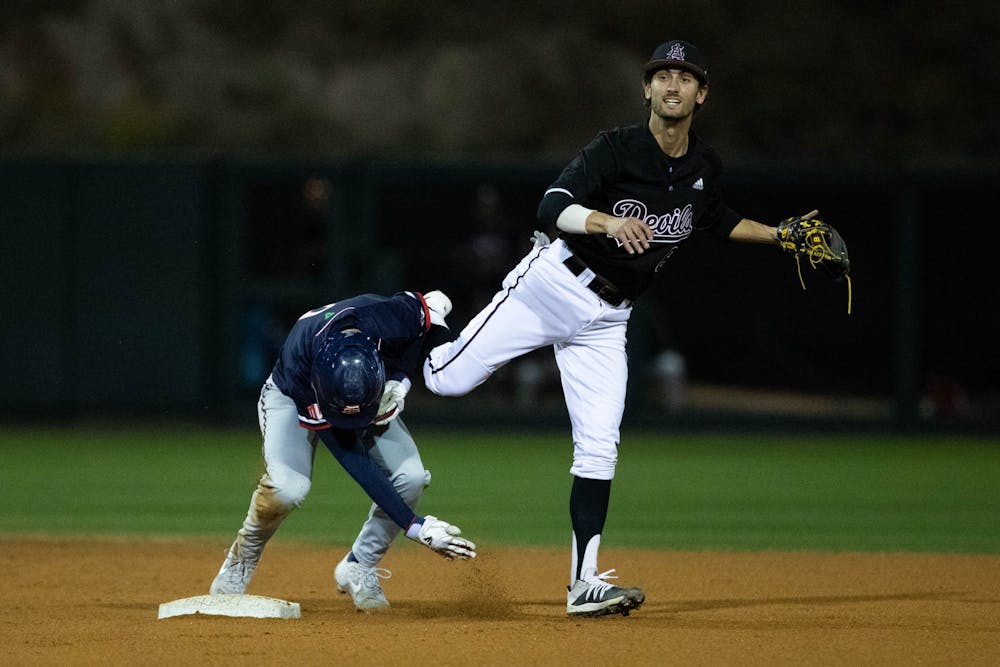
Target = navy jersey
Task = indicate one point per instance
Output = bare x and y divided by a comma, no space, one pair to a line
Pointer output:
397,324
624,173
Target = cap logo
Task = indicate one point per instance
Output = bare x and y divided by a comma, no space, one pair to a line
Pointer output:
351,409
676,53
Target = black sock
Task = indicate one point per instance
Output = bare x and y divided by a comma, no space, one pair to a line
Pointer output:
588,509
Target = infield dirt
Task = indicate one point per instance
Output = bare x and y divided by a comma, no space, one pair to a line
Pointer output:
95,601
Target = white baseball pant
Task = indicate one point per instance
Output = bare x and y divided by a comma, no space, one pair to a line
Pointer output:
542,303
289,451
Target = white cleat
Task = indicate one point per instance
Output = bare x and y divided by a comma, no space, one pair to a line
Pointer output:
233,576
363,584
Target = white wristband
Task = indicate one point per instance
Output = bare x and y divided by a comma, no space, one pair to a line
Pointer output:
573,219
414,528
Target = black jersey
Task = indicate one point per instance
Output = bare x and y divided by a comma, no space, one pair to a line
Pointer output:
624,173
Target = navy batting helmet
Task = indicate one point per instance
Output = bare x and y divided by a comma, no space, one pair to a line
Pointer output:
348,376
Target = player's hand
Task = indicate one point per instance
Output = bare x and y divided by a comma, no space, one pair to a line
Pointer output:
539,239
392,401
632,233
439,305
443,539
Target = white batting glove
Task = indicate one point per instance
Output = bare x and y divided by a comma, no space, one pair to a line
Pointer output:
391,403
539,239
443,539
439,304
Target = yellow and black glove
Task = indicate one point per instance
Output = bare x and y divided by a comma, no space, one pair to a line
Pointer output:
818,243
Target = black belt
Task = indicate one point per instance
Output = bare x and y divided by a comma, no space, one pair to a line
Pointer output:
600,285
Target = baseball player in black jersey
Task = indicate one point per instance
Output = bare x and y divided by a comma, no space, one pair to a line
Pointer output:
341,378
622,206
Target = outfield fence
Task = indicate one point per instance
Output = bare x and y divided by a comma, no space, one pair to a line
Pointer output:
163,288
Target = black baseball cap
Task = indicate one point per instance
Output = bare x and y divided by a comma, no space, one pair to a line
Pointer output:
680,55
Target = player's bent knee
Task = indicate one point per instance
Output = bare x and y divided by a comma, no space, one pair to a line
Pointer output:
410,482
455,380
289,488
454,370
441,385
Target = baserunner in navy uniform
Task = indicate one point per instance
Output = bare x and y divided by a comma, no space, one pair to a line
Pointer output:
341,378
622,206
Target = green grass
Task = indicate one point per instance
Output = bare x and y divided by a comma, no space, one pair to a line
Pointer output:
671,491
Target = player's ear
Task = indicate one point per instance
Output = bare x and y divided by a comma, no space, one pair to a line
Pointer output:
702,93
647,91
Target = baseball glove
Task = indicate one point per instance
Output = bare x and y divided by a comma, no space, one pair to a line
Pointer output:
818,243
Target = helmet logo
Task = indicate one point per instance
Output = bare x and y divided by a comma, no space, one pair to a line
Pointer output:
351,409
676,53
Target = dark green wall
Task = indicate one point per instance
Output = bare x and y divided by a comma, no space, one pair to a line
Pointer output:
106,279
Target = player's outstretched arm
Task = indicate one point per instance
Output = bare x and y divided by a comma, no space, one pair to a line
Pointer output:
751,231
347,448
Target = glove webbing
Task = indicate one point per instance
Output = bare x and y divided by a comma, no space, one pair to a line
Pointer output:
816,250
814,263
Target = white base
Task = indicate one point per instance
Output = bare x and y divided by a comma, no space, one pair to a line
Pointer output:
252,606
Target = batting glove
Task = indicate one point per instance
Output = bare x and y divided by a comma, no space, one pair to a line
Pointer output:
439,304
392,401
442,538
539,239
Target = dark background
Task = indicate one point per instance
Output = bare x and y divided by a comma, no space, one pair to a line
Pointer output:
809,81
178,181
